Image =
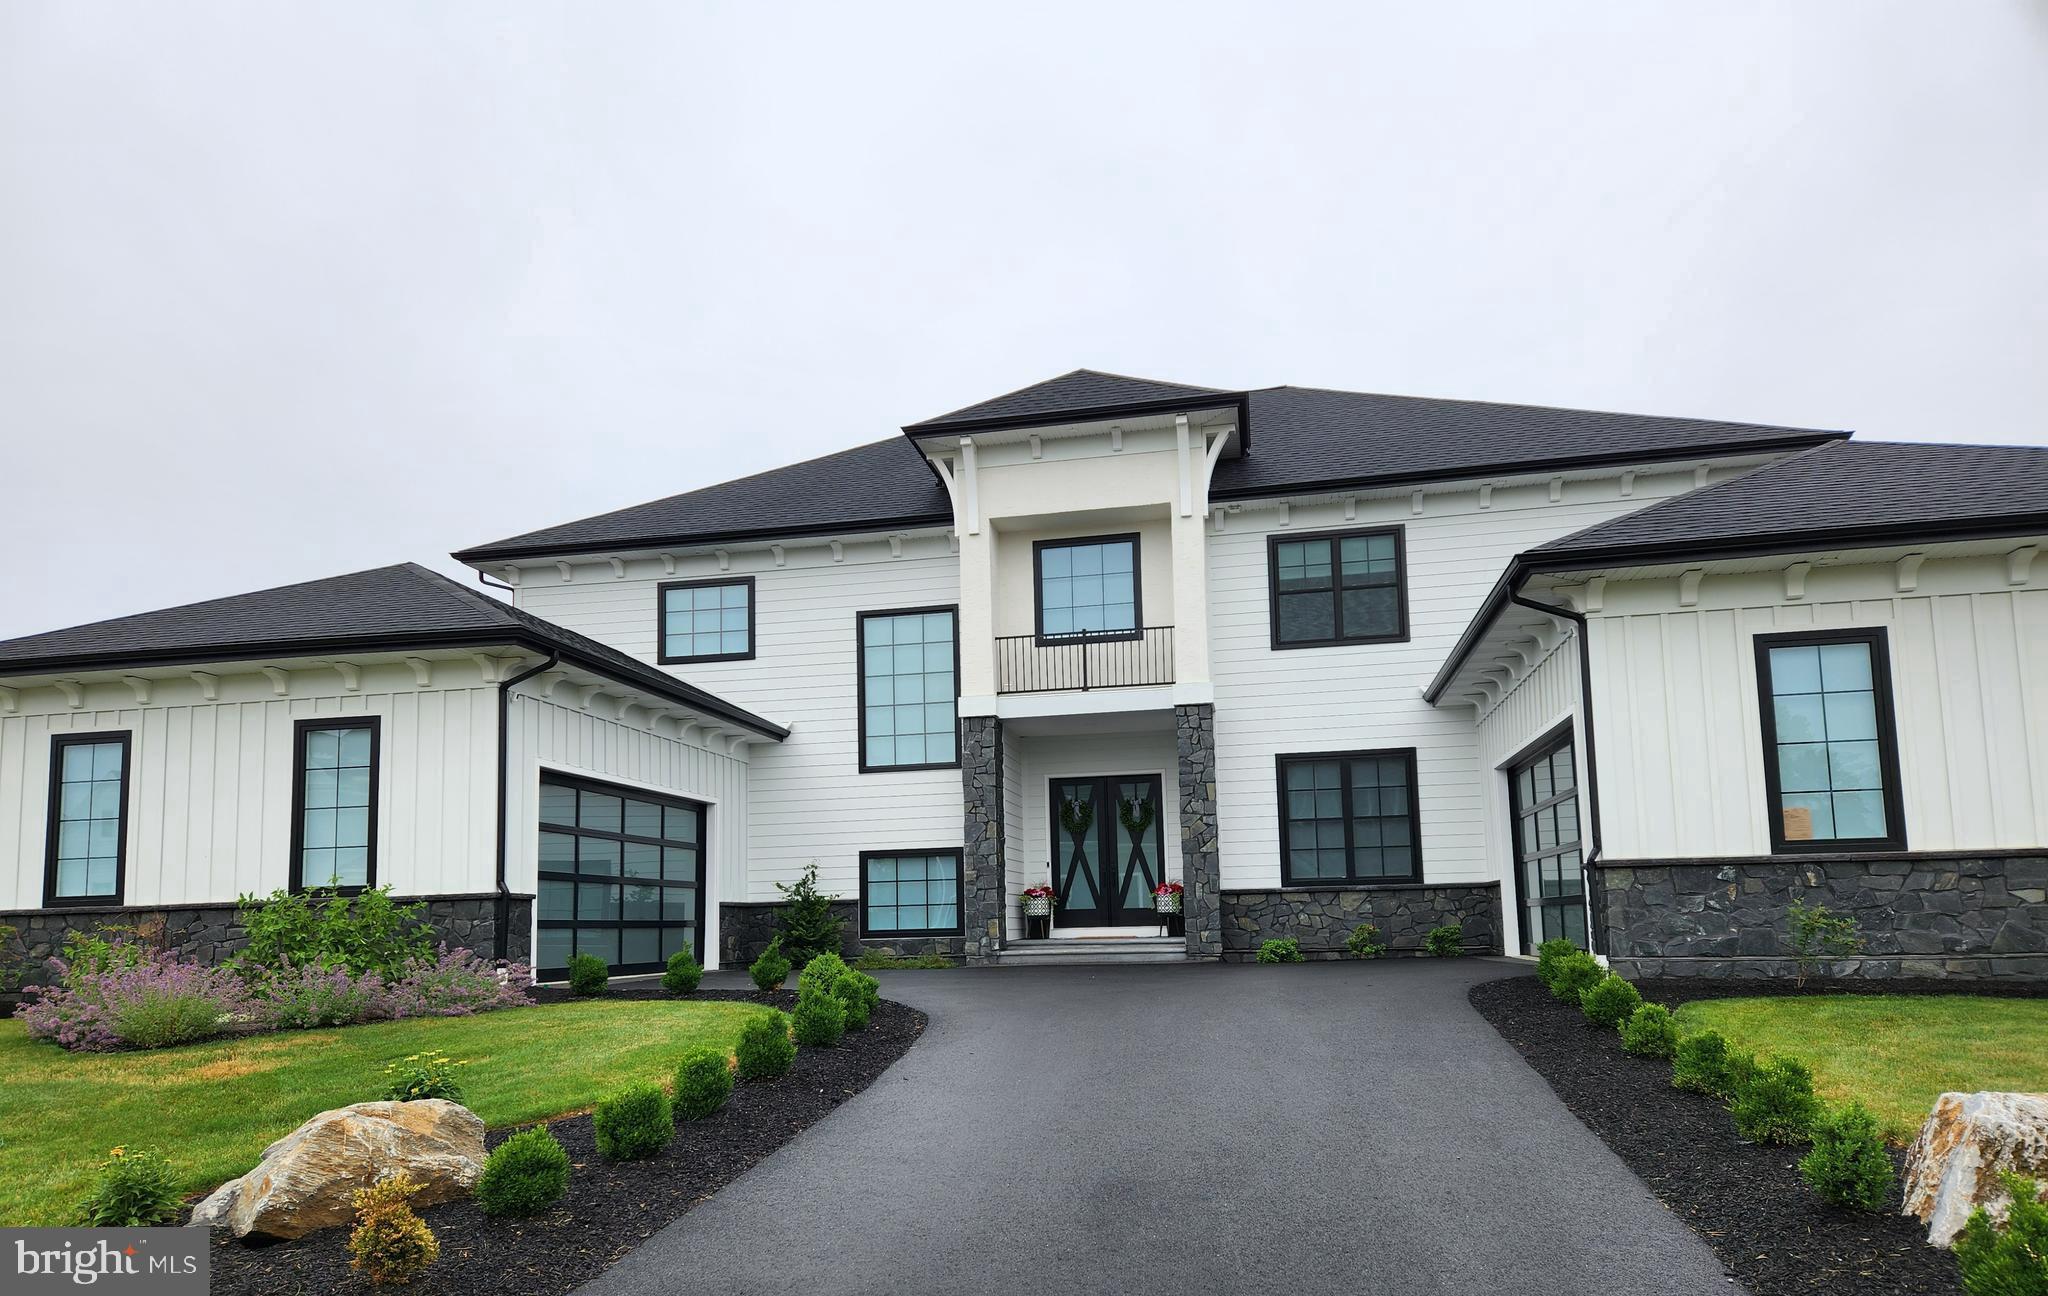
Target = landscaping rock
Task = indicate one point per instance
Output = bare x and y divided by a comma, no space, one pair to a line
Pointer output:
1967,1142
307,1179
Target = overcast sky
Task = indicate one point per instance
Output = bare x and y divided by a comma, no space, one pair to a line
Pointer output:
288,290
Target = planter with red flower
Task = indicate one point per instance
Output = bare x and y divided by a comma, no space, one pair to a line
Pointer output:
1037,901
1166,901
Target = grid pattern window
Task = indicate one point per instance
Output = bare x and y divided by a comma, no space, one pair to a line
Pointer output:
1088,587
1829,734
908,689
88,817
1551,883
621,876
707,620
336,817
1348,817
1339,588
910,894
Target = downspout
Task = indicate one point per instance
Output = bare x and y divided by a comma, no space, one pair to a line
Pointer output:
1594,927
502,911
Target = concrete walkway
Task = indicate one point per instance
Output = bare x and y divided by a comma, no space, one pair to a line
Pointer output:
1333,1127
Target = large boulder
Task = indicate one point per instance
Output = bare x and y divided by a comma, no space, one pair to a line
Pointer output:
307,1179
1968,1141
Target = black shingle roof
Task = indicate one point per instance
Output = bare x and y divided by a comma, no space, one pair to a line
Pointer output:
1307,438
1841,492
384,609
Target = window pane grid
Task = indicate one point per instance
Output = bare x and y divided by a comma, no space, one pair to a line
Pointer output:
88,830
713,620
1335,589
1552,883
908,690
1348,818
337,778
1088,588
907,894
618,877
1828,754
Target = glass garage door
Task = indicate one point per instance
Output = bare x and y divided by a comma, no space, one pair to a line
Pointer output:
621,876
1549,879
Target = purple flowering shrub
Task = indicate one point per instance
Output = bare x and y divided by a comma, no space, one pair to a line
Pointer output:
455,984
300,998
149,1003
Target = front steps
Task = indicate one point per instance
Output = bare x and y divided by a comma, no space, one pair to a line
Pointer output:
1095,949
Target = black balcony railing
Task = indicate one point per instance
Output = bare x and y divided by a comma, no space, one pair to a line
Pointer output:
1057,663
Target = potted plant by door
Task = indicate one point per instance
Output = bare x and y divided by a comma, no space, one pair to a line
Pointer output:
1037,912
1166,901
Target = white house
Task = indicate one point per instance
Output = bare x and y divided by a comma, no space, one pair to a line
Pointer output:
1323,657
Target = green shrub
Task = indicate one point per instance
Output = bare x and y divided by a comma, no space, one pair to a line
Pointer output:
1281,949
1610,1001
133,1189
1365,942
703,1083
820,1019
587,975
1447,941
167,1014
1700,1064
634,1123
1576,973
821,973
805,923
1774,1102
365,932
882,960
524,1175
859,994
1818,933
1649,1032
771,969
765,1049
2011,1260
389,1243
1848,1165
684,972
422,1075
1548,955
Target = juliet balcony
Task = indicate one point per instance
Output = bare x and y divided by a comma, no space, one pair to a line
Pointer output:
1078,663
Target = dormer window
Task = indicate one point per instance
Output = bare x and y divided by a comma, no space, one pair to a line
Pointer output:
1088,588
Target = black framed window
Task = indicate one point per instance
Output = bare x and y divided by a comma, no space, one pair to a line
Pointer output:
334,804
1349,817
1831,761
707,620
909,689
87,856
1338,587
910,893
1550,881
621,875
1088,588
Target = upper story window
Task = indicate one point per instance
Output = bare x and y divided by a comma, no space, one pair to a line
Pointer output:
1088,587
1831,762
909,689
334,810
1338,587
710,620
1349,817
88,834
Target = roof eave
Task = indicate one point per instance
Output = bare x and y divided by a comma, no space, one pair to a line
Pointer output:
1241,401
479,555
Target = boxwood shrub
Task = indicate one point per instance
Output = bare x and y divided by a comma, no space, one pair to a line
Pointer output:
765,1048
1848,1165
1649,1032
820,1018
587,975
1281,949
525,1175
634,1123
1548,955
772,968
1700,1063
858,993
703,1083
1576,973
1610,1001
1774,1102
683,974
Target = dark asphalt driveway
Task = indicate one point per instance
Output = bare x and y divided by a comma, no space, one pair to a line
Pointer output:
1332,1127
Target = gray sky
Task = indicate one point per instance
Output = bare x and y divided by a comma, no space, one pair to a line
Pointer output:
288,290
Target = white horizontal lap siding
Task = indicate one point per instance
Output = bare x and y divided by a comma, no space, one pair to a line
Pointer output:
807,798
1679,719
211,782
1045,759
1545,698
1369,696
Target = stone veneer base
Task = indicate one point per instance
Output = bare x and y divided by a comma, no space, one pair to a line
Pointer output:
1201,863
1321,918
746,927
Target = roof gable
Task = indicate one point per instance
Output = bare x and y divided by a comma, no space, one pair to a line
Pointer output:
1079,392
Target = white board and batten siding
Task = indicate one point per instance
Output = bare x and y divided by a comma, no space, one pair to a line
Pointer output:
1680,722
807,798
1543,700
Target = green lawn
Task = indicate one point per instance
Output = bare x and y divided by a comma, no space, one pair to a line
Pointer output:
1895,1053
213,1108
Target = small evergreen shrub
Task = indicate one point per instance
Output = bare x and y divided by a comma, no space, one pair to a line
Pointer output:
1365,942
703,1083
423,1075
821,973
1576,973
133,1189
1649,1032
1549,955
858,993
820,1019
1848,1165
1700,1064
1447,941
634,1123
1774,1102
1281,949
765,1049
805,923
684,972
1610,1001
524,1175
587,975
2008,1260
771,969
390,1244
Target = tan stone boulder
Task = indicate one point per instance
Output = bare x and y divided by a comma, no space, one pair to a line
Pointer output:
307,1179
1968,1141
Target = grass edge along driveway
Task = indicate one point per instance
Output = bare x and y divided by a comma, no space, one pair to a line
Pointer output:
1894,1053
213,1107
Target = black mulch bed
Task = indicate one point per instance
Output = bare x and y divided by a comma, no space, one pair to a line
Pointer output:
609,1208
1746,1200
